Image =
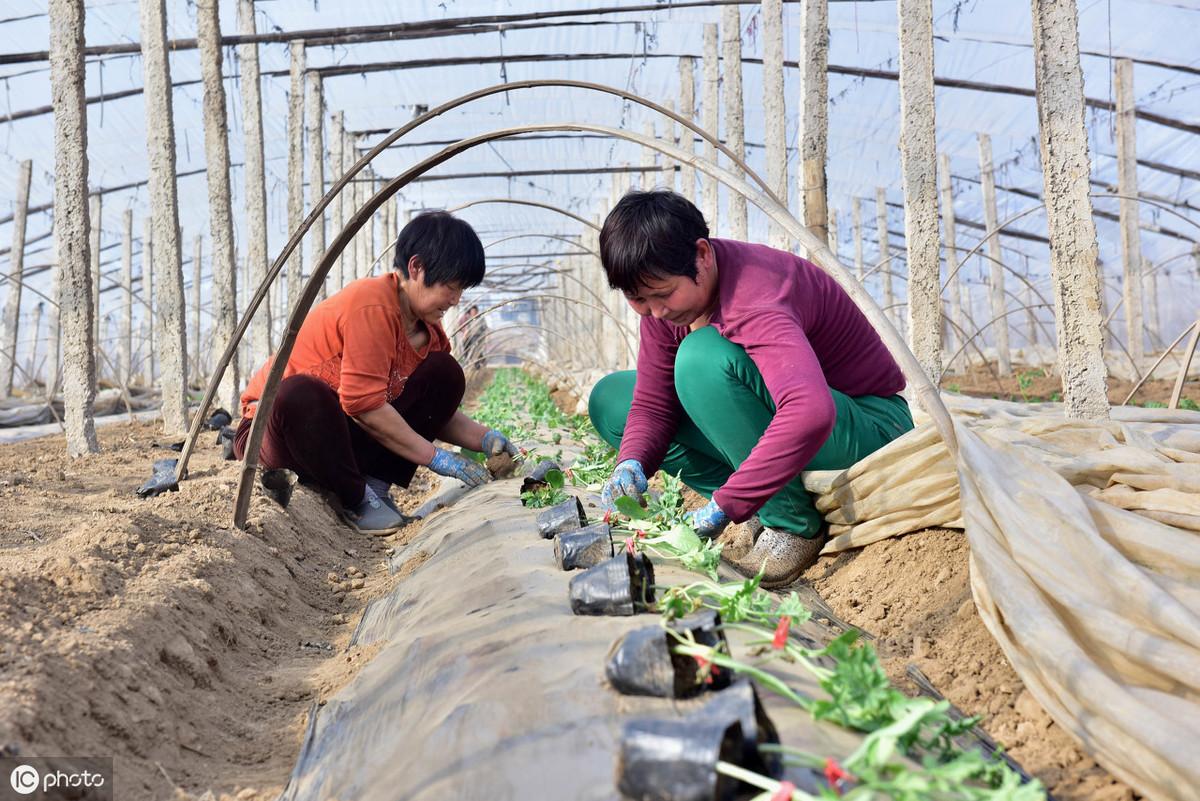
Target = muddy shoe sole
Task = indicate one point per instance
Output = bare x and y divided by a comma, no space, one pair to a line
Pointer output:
782,557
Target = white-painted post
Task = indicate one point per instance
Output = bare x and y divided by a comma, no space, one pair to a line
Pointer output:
885,252
687,110
223,296
95,213
314,107
53,327
349,207
125,336
16,265
31,369
1066,163
295,164
991,221
856,213
950,236
256,186
148,322
735,111
164,202
70,212
918,160
1130,209
711,122
337,143
197,253
814,112
775,111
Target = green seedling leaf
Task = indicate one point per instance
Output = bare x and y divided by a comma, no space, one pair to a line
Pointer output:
555,479
631,508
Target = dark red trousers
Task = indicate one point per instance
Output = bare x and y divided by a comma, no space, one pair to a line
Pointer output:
309,433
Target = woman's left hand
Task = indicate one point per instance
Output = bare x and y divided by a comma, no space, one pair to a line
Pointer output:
708,520
495,443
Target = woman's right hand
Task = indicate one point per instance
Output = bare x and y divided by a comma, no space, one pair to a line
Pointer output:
455,465
627,479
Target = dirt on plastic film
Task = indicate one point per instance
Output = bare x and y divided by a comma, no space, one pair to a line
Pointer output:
484,678
154,632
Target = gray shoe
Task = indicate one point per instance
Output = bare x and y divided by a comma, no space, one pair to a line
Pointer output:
373,516
781,556
383,491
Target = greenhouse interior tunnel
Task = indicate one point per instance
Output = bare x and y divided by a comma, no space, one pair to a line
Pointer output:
672,400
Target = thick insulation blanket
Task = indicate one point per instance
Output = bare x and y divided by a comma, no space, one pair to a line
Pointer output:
1085,542
486,686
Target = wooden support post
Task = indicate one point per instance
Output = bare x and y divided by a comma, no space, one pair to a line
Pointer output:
814,111
775,111
256,186
31,370
349,206
337,142
54,329
885,253
711,122
735,112
125,338
295,164
856,213
164,202
687,110
223,296
671,136
197,252
954,297
314,107
1072,233
16,265
1130,209
991,221
148,322
918,159
95,212
70,213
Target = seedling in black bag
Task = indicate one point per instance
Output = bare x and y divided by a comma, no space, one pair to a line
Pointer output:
566,515
623,585
587,547
645,662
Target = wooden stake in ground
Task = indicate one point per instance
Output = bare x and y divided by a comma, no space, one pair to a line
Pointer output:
256,186
125,338
814,111
164,202
856,213
95,211
775,111
1073,252
295,164
197,252
70,213
885,253
991,221
314,106
735,113
223,294
711,120
337,141
1130,209
687,110
918,159
16,264
954,297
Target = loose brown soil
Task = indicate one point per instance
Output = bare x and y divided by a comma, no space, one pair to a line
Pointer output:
913,594
154,632
1032,385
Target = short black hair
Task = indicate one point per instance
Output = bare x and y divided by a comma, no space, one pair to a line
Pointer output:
448,247
650,235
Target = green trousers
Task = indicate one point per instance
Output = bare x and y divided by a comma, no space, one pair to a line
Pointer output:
726,410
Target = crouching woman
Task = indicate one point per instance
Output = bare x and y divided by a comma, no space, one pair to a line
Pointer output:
371,382
754,365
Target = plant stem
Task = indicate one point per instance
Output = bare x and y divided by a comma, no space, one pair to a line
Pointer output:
761,782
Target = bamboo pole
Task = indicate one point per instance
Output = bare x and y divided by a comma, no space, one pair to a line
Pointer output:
1127,185
1181,377
735,112
125,337
223,298
775,112
918,158
70,206
987,185
518,202
711,120
315,130
814,110
16,266
164,202
295,164
255,174
1073,250
687,110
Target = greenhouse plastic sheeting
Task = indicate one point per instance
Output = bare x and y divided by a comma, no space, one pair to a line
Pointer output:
485,684
1085,563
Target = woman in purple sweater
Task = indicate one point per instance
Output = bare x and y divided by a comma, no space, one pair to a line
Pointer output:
753,366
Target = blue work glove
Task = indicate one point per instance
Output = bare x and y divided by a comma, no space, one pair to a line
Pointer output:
454,465
495,443
627,479
708,520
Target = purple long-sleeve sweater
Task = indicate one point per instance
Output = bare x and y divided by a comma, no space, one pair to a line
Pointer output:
804,334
